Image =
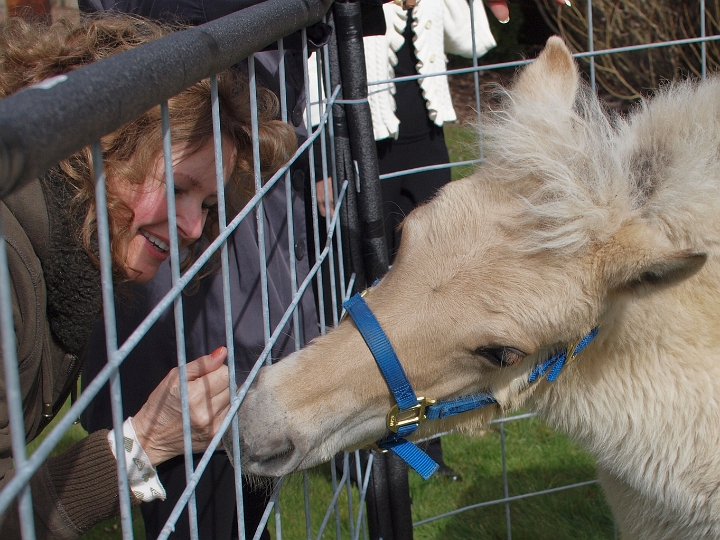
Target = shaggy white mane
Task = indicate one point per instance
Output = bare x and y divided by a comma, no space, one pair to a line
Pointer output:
582,171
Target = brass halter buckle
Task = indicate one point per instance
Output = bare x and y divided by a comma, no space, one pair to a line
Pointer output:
396,419
363,294
570,355
414,415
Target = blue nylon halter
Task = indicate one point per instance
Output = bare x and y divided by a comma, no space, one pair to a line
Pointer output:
421,409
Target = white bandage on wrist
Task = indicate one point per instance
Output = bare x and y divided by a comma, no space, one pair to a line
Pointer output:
142,476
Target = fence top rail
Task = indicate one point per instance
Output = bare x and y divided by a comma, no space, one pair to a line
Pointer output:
41,125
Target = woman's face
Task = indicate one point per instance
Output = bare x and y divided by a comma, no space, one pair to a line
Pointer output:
195,194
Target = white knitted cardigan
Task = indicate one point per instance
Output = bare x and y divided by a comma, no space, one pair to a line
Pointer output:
440,26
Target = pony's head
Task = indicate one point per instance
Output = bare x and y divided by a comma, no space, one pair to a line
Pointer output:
494,275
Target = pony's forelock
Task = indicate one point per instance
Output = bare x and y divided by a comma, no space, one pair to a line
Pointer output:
562,164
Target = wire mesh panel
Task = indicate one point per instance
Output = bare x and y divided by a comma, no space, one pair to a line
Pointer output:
618,61
283,257
255,269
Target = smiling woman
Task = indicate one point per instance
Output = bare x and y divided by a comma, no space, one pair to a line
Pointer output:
133,154
51,237
196,196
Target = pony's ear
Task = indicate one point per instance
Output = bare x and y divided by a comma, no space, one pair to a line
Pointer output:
640,256
552,78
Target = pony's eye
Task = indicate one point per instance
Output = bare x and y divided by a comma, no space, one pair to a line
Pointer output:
501,356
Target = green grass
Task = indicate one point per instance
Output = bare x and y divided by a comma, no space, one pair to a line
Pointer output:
462,144
538,459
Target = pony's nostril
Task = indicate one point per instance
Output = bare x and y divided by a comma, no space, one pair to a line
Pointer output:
280,453
270,451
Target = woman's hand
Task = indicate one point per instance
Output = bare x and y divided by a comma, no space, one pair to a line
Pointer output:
158,424
320,192
501,11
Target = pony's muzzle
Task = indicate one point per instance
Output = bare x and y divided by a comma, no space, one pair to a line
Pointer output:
268,447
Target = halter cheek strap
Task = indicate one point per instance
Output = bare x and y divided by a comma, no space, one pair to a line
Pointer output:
399,386
405,417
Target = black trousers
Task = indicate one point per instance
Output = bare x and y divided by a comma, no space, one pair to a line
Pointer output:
403,193
215,498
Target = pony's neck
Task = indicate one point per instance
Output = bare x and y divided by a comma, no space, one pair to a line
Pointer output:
639,396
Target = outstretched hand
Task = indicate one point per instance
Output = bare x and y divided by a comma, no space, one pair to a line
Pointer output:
320,192
158,424
501,11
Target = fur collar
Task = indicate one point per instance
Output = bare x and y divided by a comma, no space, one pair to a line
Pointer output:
74,299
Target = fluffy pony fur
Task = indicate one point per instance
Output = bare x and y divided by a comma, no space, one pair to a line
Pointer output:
576,219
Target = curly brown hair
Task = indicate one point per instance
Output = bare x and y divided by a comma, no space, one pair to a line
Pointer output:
31,53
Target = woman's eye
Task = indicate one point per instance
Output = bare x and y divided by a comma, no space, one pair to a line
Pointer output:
209,206
501,356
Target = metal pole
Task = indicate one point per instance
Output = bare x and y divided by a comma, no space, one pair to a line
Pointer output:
388,496
362,142
349,219
47,122
377,501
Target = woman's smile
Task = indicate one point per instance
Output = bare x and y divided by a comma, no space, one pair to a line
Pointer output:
157,247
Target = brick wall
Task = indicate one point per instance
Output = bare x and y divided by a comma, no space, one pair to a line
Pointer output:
62,4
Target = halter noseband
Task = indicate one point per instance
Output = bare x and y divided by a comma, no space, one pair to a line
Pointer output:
410,410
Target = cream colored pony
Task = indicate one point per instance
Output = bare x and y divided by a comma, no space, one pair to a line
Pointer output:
574,221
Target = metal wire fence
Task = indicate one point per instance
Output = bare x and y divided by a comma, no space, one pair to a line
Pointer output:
35,134
590,54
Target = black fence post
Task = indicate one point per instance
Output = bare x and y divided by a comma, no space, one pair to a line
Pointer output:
388,496
349,218
348,27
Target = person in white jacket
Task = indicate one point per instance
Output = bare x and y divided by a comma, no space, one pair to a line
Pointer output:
422,37
416,42
408,116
